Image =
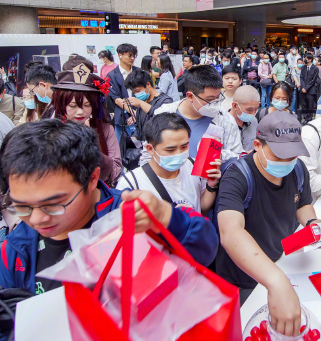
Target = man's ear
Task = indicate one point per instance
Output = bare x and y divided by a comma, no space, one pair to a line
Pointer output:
257,145
150,149
234,105
189,96
94,179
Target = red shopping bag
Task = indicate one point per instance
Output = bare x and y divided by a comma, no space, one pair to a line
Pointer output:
89,321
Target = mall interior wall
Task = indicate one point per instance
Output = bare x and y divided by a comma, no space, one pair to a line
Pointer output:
16,19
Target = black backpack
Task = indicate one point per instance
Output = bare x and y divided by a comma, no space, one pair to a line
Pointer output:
242,165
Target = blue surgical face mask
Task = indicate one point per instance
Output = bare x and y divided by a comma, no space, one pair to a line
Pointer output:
300,66
30,104
314,62
202,55
266,60
44,99
278,169
143,96
172,162
272,55
226,63
253,56
245,117
281,60
279,105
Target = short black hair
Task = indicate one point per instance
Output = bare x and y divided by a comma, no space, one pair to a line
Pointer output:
227,55
153,48
293,47
232,69
106,54
137,78
1,85
166,121
37,148
73,62
40,73
276,51
285,87
124,48
309,56
198,78
190,58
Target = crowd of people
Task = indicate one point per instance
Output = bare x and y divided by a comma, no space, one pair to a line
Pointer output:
76,145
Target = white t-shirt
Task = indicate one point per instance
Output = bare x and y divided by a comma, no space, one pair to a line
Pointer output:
185,189
226,105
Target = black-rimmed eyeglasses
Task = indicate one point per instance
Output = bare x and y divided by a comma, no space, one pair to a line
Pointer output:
24,211
215,101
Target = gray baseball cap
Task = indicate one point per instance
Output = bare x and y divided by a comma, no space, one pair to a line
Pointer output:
282,133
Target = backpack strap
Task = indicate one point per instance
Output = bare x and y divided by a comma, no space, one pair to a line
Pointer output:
317,131
192,160
246,171
299,175
135,179
13,104
156,183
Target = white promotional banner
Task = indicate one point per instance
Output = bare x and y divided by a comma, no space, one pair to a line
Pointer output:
16,50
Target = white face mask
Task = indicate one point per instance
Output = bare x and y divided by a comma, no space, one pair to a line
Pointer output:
101,61
210,109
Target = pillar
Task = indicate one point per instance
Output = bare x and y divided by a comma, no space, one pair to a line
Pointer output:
180,34
253,32
18,20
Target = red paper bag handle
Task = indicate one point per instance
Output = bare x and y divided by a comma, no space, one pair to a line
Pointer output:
172,241
126,243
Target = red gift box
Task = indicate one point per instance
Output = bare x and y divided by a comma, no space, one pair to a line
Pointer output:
316,281
300,239
208,151
154,275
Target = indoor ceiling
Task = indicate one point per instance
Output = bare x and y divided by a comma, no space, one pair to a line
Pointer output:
271,14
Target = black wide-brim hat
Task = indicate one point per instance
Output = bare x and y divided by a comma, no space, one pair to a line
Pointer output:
79,79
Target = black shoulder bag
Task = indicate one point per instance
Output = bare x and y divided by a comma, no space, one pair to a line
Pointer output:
130,154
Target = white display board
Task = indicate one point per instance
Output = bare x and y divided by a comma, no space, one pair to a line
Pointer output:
87,45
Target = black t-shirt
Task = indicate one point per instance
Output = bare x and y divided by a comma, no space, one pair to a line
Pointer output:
270,217
50,252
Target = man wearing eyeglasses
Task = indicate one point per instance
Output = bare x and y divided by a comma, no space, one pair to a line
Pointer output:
201,107
52,169
39,79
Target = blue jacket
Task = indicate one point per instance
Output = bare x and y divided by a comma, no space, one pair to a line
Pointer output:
118,90
19,250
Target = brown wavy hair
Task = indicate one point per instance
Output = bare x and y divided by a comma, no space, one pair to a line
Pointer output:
61,98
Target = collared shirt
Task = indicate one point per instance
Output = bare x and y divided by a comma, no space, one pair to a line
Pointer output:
280,71
248,134
125,74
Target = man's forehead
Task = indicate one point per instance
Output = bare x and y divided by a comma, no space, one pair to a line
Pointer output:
210,92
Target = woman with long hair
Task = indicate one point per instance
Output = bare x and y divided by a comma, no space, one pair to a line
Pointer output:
148,65
167,82
78,96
